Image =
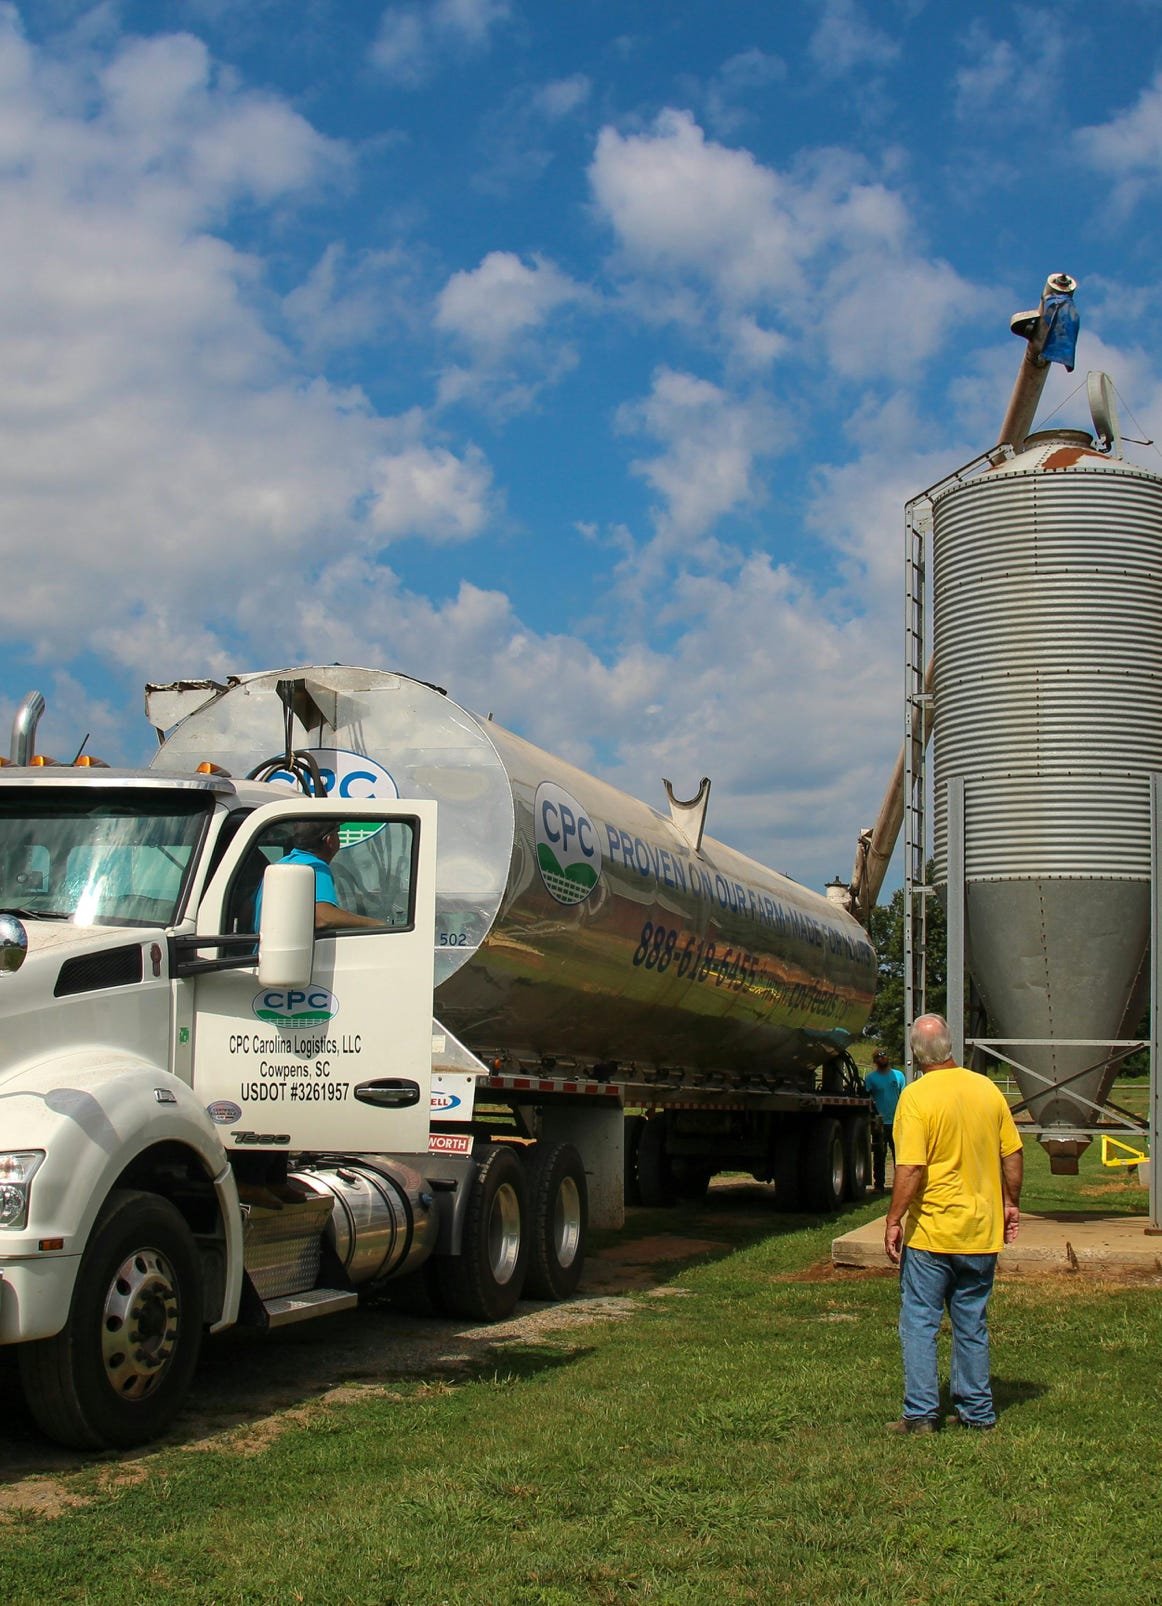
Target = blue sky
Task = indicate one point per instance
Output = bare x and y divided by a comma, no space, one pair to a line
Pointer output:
579,356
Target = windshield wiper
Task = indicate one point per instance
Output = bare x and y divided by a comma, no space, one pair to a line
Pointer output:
36,914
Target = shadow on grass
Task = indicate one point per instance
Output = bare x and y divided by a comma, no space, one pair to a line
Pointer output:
658,1245
1012,1392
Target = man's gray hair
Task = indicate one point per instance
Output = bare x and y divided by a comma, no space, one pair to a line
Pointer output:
931,1040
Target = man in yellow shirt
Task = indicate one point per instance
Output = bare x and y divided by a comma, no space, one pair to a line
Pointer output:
959,1165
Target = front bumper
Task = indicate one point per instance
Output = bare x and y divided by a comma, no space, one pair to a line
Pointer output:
35,1296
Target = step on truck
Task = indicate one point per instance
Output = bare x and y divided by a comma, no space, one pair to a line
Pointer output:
352,986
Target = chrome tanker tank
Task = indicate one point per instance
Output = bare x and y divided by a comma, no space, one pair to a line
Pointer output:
574,923
1048,702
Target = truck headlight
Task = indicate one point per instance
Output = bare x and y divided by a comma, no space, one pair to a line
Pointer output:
16,1173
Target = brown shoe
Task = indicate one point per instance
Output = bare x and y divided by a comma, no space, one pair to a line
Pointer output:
976,1427
914,1424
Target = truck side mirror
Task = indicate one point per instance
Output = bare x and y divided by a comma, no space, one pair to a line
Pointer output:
286,927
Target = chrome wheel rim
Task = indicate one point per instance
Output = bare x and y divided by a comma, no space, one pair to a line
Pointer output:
140,1324
567,1222
837,1168
504,1233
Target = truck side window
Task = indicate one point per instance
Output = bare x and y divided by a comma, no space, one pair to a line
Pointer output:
363,872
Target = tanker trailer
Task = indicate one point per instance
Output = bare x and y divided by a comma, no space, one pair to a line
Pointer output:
581,932
1047,607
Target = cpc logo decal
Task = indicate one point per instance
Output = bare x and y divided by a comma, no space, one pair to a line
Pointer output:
295,1006
348,775
446,1101
223,1113
568,852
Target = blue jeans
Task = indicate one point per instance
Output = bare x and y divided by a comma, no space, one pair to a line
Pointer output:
929,1282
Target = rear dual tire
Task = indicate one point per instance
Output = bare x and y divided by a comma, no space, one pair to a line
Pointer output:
559,1199
484,1281
523,1234
818,1162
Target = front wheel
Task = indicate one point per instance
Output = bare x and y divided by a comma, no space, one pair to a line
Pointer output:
484,1281
117,1372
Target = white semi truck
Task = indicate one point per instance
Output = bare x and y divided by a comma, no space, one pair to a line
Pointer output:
228,1097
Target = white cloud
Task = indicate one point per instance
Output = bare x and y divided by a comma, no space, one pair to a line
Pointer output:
845,40
424,490
738,78
521,137
884,317
679,203
1011,77
826,251
562,97
501,313
491,306
413,40
711,445
351,300
167,466
1128,148
751,344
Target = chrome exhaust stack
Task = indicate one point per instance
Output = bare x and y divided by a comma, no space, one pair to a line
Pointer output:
24,728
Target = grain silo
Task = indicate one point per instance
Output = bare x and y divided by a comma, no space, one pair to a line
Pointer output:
1047,688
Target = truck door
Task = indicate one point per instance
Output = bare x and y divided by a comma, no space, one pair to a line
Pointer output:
344,1062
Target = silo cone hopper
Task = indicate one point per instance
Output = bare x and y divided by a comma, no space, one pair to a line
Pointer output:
1060,960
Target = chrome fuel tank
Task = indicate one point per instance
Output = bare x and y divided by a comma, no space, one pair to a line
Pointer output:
573,922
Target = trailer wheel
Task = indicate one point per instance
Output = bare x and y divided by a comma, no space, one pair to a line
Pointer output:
117,1372
857,1155
559,1205
634,1126
785,1165
655,1180
823,1167
691,1179
484,1281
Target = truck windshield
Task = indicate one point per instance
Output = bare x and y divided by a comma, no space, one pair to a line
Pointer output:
102,857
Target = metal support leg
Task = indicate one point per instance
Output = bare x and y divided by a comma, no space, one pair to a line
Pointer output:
954,915
1155,1224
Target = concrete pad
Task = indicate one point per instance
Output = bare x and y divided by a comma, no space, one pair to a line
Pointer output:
1068,1241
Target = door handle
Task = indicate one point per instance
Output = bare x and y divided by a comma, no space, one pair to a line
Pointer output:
389,1093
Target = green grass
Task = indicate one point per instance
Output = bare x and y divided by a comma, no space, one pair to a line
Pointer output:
724,1443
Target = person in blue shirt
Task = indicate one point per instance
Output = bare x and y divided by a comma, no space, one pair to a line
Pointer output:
316,845
884,1085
